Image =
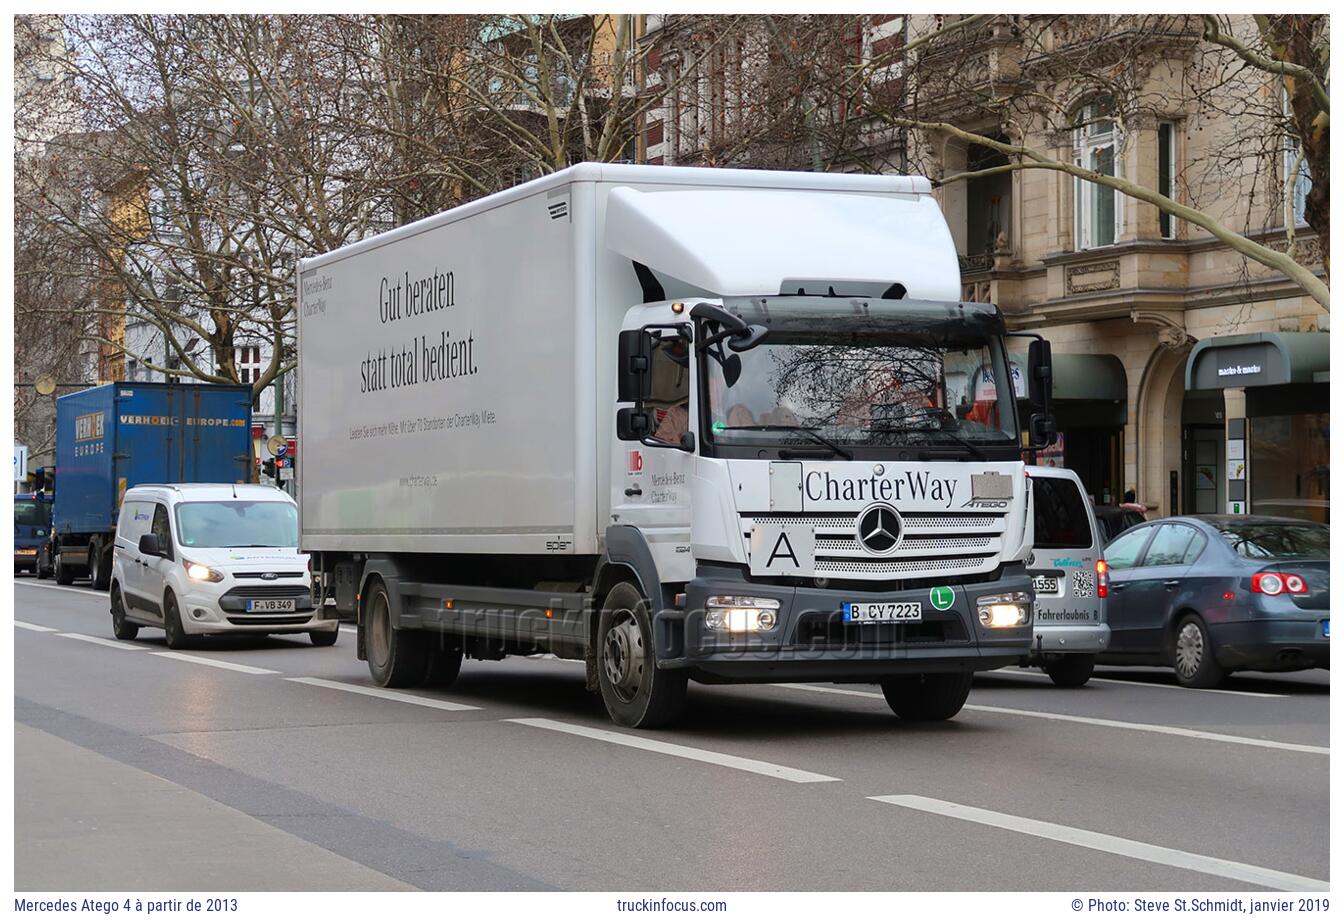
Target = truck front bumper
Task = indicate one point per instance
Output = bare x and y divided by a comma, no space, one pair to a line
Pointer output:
811,641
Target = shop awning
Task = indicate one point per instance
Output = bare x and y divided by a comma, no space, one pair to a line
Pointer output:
1090,377
1258,359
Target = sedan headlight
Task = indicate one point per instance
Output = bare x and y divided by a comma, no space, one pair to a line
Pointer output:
741,614
198,572
1000,611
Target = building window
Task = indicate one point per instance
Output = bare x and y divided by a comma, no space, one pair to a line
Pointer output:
248,360
1096,209
1166,175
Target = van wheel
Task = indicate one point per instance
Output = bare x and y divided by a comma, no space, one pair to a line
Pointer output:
397,657
1196,665
1070,670
121,627
63,573
636,693
927,697
173,634
324,638
100,566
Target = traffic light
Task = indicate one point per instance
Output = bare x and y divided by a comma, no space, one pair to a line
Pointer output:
268,467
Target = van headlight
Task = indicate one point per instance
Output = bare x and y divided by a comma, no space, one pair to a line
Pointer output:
741,614
198,572
1000,611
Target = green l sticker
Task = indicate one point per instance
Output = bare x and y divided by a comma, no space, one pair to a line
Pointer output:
941,597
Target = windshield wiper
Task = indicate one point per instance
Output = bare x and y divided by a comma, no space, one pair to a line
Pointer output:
810,432
969,445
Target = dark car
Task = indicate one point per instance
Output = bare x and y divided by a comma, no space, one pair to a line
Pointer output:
32,524
1209,594
1115,520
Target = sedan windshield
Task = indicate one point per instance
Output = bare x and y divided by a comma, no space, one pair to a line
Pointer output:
237,524
1278,541
887,378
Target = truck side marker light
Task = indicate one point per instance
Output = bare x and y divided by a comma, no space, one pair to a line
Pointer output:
447,604
679,600
549,613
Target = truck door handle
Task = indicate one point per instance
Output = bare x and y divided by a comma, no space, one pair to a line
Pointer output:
633,491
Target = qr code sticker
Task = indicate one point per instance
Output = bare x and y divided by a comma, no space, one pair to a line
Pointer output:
1083,584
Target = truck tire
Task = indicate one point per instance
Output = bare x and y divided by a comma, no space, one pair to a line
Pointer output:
445,662
122,628
323,638
173,634
636,692
63,573
927,697
397,657
43,564
1070,670
100,566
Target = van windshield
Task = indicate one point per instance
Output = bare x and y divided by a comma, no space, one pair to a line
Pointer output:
237,524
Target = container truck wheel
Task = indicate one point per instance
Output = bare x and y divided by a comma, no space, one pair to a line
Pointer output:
63,573
100,566
397,657
122,628
43,563
173,634
927,697
636,693
1070,670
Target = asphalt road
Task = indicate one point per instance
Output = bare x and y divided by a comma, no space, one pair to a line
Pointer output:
272,764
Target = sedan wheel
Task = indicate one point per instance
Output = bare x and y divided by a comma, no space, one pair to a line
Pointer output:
1196,665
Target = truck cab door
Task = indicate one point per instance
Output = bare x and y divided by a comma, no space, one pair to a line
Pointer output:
651,481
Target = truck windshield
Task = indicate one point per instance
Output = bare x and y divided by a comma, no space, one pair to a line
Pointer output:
885,374
30,513
237,524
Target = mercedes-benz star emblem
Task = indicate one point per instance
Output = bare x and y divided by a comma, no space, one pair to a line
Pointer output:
879,529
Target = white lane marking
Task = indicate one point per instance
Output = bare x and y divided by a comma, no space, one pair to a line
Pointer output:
34,627
679,750
382,694
347,629
1108,843
98,640
1101,723
87,592
1139,683
214,663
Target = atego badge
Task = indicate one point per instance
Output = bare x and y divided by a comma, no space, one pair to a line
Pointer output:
782,550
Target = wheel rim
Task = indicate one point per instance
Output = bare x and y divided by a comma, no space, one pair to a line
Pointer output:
380,644
623,656
1189,649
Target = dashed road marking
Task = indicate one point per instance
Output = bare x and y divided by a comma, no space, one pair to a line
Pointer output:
34,627
110,643
87,592
380,693
214,663
1139,683
1108,843
1101,723
679,750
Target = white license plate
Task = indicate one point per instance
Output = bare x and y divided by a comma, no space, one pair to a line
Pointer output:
903,612
1045,584
277,605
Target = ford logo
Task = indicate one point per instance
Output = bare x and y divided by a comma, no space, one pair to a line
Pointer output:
269,576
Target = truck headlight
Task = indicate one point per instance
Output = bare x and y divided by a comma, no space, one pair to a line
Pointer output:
741,614
198,572
999,611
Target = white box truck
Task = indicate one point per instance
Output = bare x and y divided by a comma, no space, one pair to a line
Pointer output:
682,424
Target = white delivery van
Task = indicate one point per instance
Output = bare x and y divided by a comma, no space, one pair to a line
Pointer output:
682,424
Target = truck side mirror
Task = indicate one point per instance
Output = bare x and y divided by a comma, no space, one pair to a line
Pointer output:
1040,376
40,479
633,423
634,359
1043,430
149,545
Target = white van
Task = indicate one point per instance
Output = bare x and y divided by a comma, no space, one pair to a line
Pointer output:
198,558
1069,577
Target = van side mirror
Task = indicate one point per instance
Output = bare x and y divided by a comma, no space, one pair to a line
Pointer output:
634,360
149,545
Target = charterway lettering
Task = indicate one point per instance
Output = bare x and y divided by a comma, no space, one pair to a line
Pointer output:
911,485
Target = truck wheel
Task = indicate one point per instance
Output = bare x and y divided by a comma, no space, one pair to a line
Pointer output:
397,657
324,638
121,627
445,661
63,573
927,697
173,634
100,566
1196,665
1070,670
43,564
636,693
